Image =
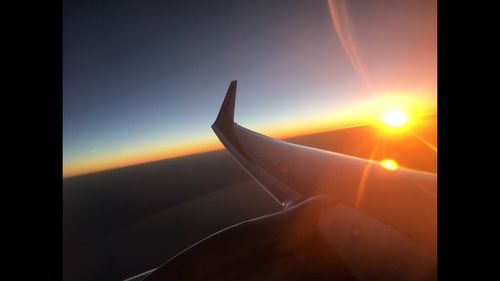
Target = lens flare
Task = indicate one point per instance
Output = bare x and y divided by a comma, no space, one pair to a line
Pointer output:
389,164
342,24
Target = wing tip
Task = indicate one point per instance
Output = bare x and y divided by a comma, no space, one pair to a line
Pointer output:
226,112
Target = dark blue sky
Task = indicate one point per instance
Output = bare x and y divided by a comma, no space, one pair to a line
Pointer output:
142,75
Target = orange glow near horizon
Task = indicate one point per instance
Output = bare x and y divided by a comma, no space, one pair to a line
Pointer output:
399,114
396,122
365,113
132,158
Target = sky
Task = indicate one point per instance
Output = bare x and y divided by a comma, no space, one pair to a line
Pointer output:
144,80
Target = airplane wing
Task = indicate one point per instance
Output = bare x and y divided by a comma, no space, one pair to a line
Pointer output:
292,173
380,224
254,152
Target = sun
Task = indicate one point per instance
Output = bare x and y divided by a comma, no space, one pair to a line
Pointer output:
395,118
389,164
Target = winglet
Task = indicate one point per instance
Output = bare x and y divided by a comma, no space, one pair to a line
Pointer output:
226,112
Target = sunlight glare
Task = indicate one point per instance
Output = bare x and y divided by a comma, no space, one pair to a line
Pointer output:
389,164
395,118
